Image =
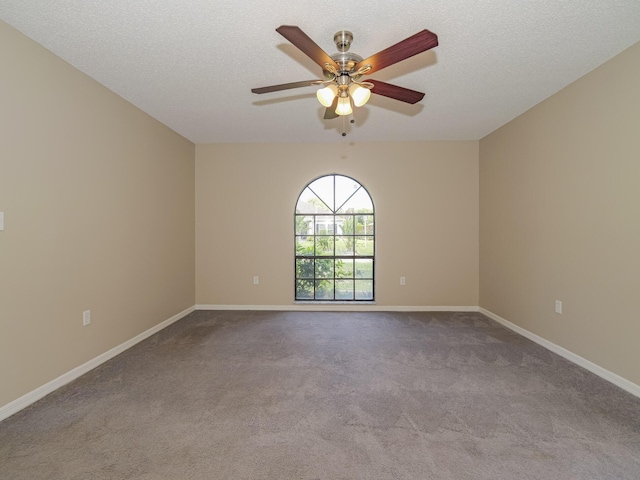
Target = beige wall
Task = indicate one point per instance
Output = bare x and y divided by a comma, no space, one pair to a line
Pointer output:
99,211
560,217
426,200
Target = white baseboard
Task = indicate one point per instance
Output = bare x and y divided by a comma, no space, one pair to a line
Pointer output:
611,377
35,395
338,307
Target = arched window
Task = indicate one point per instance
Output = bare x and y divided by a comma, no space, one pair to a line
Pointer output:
334,241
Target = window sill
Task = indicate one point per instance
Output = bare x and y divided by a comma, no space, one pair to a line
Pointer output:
334,302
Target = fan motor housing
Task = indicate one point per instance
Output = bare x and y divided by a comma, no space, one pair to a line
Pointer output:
346,60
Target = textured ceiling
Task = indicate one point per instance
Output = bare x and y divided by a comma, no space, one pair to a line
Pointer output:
191,64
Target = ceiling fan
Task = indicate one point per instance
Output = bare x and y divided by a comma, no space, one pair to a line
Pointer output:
343,70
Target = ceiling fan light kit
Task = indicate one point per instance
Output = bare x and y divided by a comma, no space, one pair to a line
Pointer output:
343,70
344,106
359,94
327,94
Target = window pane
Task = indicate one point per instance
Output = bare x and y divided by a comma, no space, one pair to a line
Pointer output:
364,268
324,225
323,187
344,224
344,268
324,268
324,245
364,245
304,268
304,245
359,203
324,289
345,188
310,203
364,289
304,225
363,224
304,289
344,289
344,245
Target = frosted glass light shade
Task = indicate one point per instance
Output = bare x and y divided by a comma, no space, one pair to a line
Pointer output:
359,94
327,94
344,106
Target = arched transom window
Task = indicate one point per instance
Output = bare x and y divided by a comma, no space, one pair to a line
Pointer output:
334,241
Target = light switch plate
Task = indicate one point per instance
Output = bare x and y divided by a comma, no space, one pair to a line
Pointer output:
559,307
1,220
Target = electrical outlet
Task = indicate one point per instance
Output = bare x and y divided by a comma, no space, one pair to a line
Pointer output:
86,317
403,281
256,280
559,307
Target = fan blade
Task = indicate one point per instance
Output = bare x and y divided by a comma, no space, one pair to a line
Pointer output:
301,40
330,112
395,92
283,86
418,43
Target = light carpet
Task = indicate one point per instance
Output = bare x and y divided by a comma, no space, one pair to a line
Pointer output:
329,396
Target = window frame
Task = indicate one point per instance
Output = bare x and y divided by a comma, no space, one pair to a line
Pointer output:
330,260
